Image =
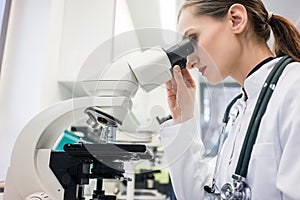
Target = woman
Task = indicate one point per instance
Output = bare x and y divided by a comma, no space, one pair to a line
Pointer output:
234,34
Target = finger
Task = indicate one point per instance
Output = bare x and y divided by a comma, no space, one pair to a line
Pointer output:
178,76
171,94
171,86
188,77
174,85
168,84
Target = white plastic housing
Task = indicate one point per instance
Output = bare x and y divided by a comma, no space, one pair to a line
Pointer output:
151,68
29,171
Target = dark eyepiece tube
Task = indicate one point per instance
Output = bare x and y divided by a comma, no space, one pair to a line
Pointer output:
177,54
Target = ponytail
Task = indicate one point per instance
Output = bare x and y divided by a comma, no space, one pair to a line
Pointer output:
286,37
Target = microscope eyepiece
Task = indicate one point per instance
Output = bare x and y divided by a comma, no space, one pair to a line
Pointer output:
177,54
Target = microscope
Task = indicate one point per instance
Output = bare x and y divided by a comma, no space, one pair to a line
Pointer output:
38,172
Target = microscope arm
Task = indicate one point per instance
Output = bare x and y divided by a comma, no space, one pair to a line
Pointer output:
111,94
29,170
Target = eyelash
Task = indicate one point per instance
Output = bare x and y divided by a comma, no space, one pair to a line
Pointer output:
194,37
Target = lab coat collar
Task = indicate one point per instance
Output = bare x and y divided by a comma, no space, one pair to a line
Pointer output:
254,83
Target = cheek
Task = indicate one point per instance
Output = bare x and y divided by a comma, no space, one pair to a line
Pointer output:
213,74
220,49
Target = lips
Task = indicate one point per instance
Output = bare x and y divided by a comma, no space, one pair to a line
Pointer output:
202,70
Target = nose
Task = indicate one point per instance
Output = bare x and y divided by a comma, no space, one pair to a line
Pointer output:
189,65
191,61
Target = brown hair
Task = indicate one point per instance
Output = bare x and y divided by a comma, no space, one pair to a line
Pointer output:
286,35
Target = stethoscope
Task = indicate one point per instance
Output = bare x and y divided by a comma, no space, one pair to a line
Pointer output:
239,189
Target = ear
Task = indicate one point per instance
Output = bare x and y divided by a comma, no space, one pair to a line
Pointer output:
237,14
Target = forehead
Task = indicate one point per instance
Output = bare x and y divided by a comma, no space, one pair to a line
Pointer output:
188,20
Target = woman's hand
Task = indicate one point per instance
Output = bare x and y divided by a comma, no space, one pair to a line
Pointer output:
181,95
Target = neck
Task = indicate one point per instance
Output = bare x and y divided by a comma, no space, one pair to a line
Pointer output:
251,55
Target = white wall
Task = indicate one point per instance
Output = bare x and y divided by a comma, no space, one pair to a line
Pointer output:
287,8
22,75
86,25
46,42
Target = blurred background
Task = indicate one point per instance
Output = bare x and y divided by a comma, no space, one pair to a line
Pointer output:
44,43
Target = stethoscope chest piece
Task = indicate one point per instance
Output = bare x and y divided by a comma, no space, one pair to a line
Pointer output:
226,191
239,190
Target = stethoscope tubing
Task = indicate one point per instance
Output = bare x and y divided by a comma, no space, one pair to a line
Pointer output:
252,131
259,110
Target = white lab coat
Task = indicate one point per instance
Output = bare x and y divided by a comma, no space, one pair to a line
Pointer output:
274,168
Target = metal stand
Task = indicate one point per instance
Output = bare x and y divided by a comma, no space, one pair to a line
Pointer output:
80,163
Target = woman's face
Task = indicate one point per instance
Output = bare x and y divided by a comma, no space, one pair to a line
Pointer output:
217,44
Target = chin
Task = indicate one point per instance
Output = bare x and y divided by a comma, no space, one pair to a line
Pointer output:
214,80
